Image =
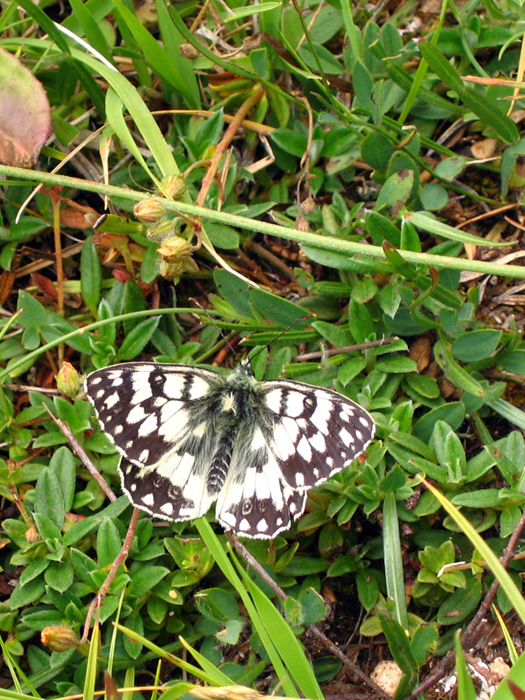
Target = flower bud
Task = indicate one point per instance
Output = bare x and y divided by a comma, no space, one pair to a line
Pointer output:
163,229
68,380
173,186
174,249
32,534
149,211
308,205
176,253
188,51
59,637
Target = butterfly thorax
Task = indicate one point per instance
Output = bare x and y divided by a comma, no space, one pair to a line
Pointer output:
235,404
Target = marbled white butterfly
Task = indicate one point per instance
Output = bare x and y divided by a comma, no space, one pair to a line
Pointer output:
189,437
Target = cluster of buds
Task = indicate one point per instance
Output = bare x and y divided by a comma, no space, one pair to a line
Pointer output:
176,258
175,250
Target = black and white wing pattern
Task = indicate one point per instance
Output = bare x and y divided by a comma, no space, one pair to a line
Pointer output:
189,437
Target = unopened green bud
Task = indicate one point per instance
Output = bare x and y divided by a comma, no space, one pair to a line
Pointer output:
174,249
173,186
163,229
149,211
68,380
59,637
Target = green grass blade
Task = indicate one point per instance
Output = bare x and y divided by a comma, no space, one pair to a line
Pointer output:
486,553
16,672
286,643
430,224
395,585
511,647
92,664
507,410
179,75
466,690
221,558
216,677
90,29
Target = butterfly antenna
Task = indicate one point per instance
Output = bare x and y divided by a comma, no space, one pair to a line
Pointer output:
225,338
279,335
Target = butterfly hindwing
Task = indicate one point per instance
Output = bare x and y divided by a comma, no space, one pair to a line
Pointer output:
160,496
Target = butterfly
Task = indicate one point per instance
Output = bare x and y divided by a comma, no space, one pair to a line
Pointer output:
189,437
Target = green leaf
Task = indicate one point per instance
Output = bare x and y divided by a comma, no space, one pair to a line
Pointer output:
396,191
318,58
280,311
63,465
137,339
396,364
41,619
367,589
314,607
460,604
514,362
157,609
390,299
59,575
290,141
33,314
90,275
424,642
484,498
450,168
433,196
476,345
49,500
230,632
147,578
32,570
381,228
399,646
217,604
454,372
222,235
360,322
47,529
109,542
350,369
336,335
482,105
24,595
452,413
426,386
132,646
376,151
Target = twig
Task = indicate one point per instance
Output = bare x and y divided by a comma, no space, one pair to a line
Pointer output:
313,629
25,387
348,348
81,454
104,588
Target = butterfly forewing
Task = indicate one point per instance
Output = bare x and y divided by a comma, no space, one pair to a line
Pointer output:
318,431
189,437
145,408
